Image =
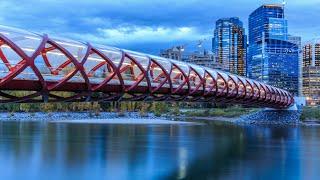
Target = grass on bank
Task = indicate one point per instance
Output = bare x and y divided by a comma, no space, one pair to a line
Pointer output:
229,112
310,113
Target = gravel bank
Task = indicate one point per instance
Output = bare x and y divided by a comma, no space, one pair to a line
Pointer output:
87,118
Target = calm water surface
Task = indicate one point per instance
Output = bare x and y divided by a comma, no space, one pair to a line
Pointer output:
218,151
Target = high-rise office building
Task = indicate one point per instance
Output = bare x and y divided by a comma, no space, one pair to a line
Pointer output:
311,72
295,40
204,58
298,42
273,57
230,45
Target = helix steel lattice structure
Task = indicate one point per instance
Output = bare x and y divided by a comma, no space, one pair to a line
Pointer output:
39,68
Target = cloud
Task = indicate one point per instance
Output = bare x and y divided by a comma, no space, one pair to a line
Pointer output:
126,22
129,36
137,34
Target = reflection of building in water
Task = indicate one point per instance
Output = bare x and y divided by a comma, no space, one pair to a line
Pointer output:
309,166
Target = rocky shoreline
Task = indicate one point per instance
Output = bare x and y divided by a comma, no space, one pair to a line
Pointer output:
89,118
272,117
263,117
36,116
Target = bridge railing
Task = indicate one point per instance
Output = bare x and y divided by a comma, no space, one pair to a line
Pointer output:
43,65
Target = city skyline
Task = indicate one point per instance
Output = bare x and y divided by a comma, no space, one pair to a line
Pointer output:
161,24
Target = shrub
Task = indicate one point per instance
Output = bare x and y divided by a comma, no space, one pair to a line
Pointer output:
217,112
159,108
175,110
24,107
309,113
143,110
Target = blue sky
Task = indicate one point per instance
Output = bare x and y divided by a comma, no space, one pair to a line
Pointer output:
146,25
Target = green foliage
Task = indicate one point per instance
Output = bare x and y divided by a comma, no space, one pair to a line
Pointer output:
47,107
122,109
175,109
96,108
144,108
159,108
217,112
234,111
25,107
9,107
196,113
310,113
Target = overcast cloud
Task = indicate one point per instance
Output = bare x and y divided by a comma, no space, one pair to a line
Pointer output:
146,25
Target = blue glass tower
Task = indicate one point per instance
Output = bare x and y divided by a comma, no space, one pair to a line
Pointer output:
271,57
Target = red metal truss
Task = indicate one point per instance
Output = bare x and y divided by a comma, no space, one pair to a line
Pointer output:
47,69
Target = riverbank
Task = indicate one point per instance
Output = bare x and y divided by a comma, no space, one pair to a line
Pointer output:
310,116
89,118
126,121
121,118
219,114
224,113
151,110
235,115
136,110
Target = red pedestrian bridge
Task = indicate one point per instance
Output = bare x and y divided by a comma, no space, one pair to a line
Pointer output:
40,68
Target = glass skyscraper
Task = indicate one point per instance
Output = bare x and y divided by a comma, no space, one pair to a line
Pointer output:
272,58
229,45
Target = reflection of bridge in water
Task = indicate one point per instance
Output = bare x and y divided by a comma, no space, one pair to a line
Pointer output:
43,67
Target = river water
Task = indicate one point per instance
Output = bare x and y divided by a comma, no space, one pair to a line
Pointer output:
40,150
